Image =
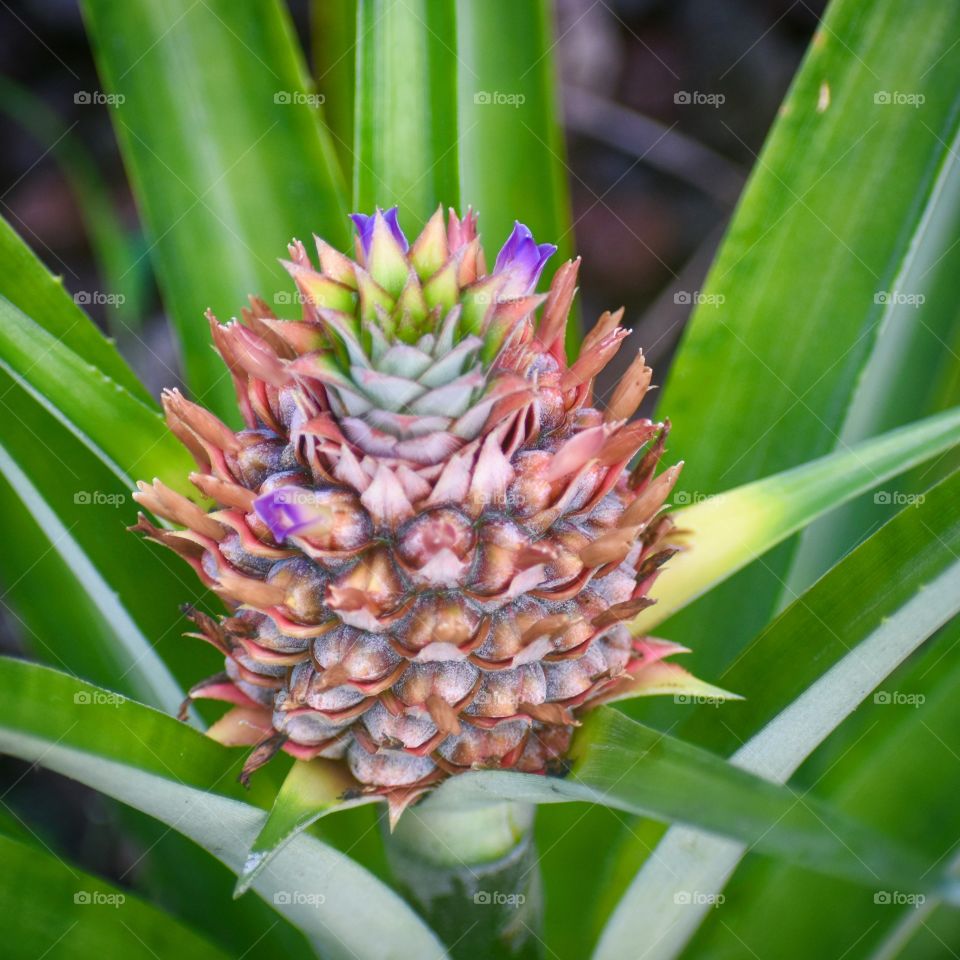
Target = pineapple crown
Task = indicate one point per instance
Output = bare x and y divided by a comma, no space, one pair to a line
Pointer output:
407,337
409,354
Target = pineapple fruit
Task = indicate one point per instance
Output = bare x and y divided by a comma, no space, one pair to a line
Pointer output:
429,539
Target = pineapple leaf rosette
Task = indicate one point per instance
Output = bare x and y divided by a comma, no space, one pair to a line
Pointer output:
429,538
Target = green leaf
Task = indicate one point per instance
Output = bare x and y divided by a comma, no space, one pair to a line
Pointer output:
333,34
27,284
129,435
406,133
226,153
882,576
512,155
83,601
729,530
791,345
53,909
630,767
893,765
311,791
111,615
810,669
163,768
81,604
78,602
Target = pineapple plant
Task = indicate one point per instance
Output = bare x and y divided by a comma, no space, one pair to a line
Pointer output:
442,560
429,537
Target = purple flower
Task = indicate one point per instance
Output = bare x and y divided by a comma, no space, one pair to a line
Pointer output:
365,224
523,259
291,512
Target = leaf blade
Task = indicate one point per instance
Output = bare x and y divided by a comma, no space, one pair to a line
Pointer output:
52,900
809,250
310,791
873,610
513,164
215,99
405,122
731,529
636,769
29,286
159,766
127,434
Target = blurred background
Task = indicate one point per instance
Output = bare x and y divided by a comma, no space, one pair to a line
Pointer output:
655,171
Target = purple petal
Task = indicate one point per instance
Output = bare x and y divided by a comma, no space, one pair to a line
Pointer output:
365,224
288,511
523,259
394,224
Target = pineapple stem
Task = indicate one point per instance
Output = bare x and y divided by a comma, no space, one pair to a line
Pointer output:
473,874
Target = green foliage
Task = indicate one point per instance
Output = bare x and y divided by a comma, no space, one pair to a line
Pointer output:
52,901
820,658
810,337
226,154
406,132
151,762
